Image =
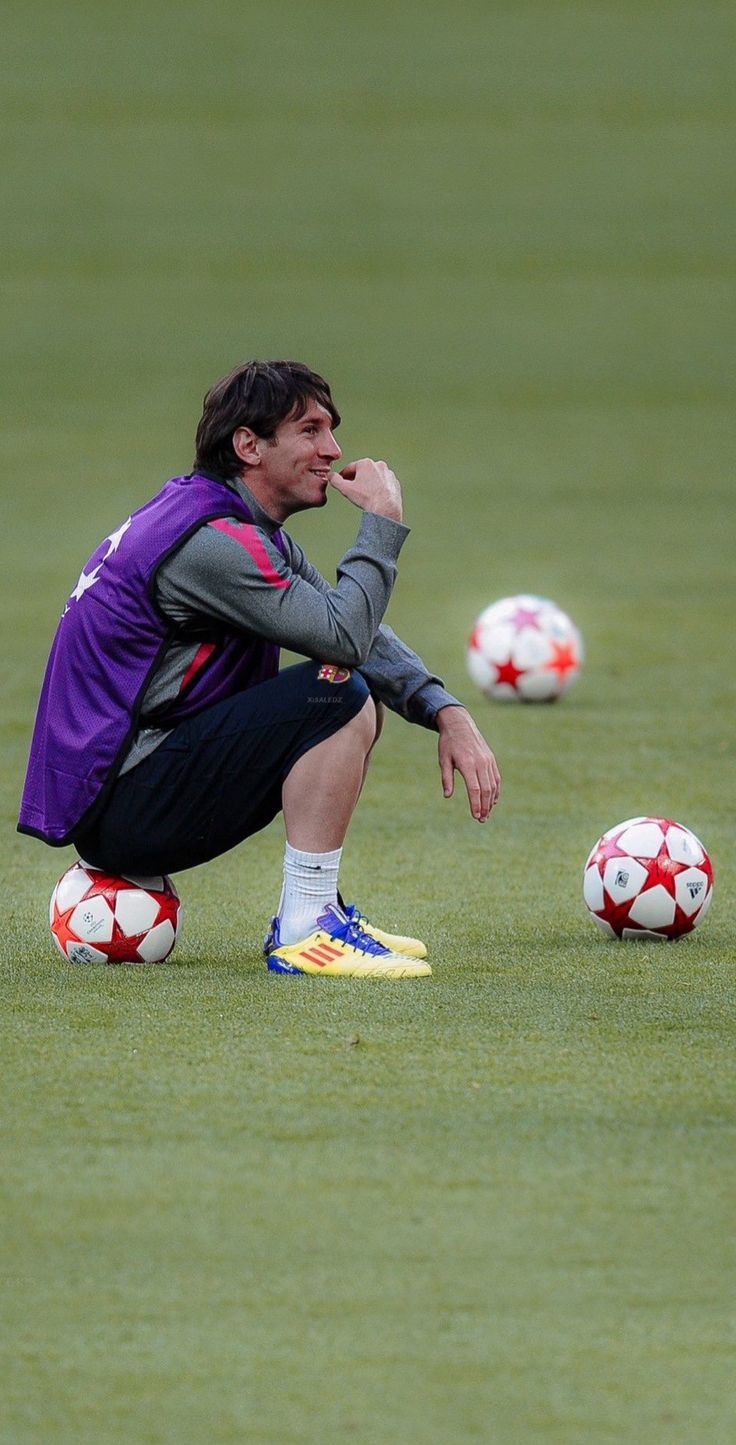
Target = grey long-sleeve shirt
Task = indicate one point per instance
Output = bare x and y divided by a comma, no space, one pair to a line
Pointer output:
214,580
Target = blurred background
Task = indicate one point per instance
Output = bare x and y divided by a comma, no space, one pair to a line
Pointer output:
505,233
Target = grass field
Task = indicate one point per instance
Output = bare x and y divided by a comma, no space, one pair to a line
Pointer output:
497,1206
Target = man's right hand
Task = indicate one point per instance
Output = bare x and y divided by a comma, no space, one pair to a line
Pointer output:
372,486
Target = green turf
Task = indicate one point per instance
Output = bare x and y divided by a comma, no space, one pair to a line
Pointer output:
496,1206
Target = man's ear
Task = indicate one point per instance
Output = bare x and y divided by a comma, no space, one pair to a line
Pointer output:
246,446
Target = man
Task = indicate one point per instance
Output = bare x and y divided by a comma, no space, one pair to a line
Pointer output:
165,732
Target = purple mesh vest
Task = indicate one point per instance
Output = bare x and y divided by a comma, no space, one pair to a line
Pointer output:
107,646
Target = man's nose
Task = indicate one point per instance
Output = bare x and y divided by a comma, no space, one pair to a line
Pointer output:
330,448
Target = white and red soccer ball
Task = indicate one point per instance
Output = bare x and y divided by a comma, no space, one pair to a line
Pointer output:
524,648
648,878
98,918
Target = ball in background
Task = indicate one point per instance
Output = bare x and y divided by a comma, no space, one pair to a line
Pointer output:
648,878
524,649
98,918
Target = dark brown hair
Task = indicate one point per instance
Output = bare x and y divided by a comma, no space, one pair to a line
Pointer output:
259,395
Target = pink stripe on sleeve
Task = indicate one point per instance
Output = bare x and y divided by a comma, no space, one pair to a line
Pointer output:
247,536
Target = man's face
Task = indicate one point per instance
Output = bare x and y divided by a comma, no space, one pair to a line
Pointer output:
291,471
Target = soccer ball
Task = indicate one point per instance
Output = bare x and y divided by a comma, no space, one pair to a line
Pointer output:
524,648
648,878
98,918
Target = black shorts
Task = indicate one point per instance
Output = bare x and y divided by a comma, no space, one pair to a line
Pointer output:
218,777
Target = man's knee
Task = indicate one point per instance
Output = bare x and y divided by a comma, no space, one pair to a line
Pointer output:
363,722
371,714
380,719
356,693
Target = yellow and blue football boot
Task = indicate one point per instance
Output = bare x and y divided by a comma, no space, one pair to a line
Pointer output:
397,942
338,948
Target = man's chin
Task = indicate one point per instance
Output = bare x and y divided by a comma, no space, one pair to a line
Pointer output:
320,499
304,505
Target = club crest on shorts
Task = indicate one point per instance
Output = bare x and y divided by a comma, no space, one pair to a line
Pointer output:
329,673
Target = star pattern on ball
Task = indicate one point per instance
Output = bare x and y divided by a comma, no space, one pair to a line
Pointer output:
662,871
564,659
113,920
525,617
607,848
64,934
508,672
524,648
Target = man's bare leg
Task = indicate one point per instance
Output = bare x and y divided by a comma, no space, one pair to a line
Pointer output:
319,797
380,717
323,787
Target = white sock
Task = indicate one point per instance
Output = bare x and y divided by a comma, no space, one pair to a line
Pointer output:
310,882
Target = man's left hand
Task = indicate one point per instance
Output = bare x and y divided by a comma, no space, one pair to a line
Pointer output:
463,747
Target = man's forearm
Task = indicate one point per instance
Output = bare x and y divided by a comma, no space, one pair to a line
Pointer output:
399,678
